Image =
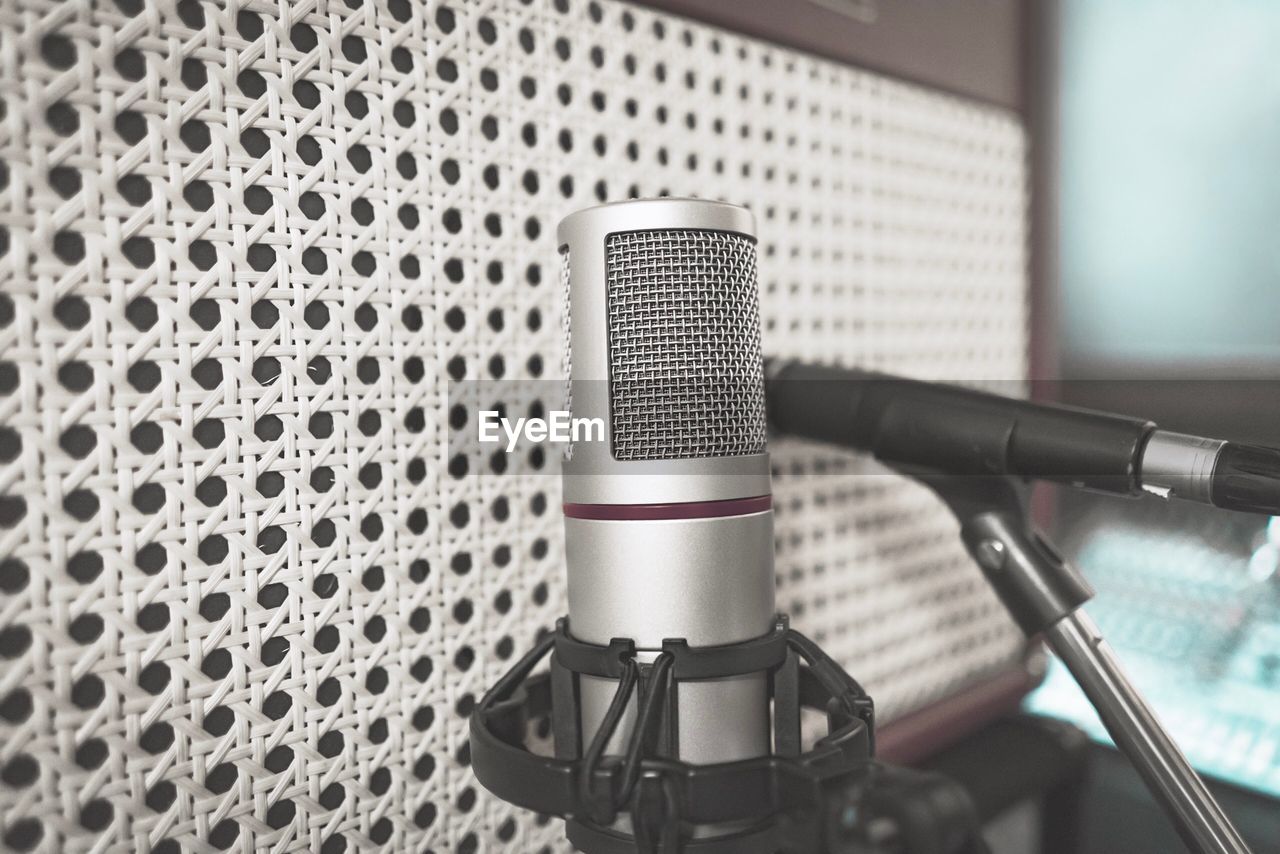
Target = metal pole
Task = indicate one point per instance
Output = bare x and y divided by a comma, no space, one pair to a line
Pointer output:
1044,594
1139,735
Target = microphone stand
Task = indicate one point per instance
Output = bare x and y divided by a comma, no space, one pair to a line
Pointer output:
1044,595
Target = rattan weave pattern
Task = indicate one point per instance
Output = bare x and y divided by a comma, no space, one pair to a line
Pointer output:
247,597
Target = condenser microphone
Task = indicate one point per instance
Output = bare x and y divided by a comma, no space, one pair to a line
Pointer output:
945,429
674,691
668,518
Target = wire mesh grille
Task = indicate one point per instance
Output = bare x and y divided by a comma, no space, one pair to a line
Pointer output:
566,340
685,370
247,594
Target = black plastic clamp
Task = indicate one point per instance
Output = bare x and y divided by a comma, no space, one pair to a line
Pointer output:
663,795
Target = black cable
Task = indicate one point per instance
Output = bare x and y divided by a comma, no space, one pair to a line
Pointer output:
660,682
591,759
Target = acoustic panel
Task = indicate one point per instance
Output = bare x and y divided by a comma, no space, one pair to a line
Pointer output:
249,597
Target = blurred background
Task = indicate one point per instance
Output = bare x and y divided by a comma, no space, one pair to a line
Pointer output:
1165,158
1169,141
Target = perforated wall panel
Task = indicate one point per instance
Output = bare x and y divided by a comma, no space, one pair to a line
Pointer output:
248,596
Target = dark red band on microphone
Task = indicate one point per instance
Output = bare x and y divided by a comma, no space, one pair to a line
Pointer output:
684,510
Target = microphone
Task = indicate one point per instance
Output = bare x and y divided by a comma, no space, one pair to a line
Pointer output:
669,520
929,427
675,692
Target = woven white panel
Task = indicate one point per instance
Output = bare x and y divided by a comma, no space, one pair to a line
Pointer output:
248,597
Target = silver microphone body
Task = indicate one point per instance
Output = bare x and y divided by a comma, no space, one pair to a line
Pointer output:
668,520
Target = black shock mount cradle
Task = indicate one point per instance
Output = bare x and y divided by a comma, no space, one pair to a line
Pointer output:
782,802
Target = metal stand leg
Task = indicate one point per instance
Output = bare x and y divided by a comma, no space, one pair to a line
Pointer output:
1044,594
1137,732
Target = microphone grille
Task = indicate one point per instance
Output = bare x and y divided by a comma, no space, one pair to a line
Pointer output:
686,374
566,333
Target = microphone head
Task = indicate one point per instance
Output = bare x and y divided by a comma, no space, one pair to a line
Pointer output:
663,347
